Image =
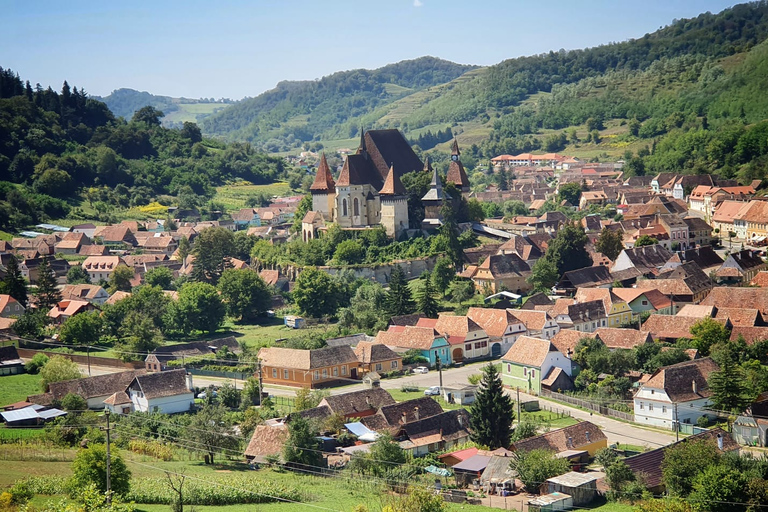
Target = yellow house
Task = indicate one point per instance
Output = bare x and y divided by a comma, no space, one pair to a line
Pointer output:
616,309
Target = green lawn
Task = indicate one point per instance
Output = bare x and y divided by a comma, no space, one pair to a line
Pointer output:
15,388
4,235
233,197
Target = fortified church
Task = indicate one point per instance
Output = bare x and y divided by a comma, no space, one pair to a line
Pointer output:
369,192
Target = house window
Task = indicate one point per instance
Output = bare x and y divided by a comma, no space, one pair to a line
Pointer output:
650,407
467,347
285,374
344,207
344,370
317,375
525,372
641,406
335,371
509,368
378,367
533,374
394,364
325,373
357,207
664,409
603,323
274,373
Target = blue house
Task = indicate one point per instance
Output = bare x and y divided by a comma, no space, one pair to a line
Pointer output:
246,218
426,340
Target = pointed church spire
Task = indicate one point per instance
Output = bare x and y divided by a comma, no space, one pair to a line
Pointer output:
455,148
427,164
392,185
323,179
435,191
362,149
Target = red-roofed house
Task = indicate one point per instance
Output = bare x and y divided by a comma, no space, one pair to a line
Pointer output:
529,361
501,326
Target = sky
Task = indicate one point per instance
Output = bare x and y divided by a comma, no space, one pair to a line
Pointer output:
232,49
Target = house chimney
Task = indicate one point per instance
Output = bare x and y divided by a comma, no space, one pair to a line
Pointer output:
368,402
570,442
720,442
189,382
694,387
416,412
586,434
460,419
404,418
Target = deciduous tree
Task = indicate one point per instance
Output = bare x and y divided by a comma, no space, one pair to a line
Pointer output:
211,431
78,275
442,274
644,240
199,308
90,468
58,368
567,251
159,276
120,279
302,448
81,329
245,293
316,293
544,275
610,243
535,466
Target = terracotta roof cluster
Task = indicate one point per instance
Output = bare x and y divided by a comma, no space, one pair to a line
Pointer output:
533,320
648,259
355,402
266,440
394,415
754,297
750,334
449,426
669,326
96,386
82,291
408,336
614,338
586,277
574,437
655,298
323,179
761,279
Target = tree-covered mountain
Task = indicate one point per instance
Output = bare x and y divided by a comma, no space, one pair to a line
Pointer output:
57,148
689,92
294,112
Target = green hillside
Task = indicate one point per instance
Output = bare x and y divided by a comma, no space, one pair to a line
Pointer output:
329,108
662,101
125,102
64,155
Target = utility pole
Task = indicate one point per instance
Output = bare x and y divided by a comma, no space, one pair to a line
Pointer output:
518,404
677,425
439,370
109,462
88,352
261,382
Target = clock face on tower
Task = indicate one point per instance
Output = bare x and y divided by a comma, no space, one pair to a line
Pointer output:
454,157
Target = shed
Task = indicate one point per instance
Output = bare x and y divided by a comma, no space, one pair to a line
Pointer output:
550,502
582,487
459,394
470,469
296,322
372,380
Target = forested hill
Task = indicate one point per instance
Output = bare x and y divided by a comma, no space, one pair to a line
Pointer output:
512,106
329,107
59,148
125,102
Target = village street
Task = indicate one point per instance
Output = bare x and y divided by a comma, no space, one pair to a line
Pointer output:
616,431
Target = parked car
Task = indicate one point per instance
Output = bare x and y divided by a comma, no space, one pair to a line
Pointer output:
432,391
420,369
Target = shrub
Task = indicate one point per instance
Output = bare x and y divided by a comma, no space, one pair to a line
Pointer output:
474,379
215,491
34,365
409,388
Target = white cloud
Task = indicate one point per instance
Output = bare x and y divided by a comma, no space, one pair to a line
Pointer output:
417,3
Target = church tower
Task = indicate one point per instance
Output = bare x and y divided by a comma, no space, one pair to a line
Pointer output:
323,190
394,205
433,202
456,173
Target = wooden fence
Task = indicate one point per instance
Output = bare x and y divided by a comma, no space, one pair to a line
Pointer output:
592,406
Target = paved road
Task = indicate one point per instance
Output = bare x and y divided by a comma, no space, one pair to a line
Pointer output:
616,431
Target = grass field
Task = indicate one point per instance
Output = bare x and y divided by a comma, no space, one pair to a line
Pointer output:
16,388
233,197
192,111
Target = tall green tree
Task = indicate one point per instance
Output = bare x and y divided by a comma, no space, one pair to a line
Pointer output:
14,283
90,468
684,462
214,248
120,279
185,249
78,275
610,243
442,274
245,293
199,308
544,275
316,293
450,230
426,302
533,467
58,368
81,329
644,240
729,385
211,431
399,300
570,192
302,448
48,294
138,336
159,276
706,333
491,413
567,251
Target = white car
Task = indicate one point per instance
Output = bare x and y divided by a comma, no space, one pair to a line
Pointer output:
432,391
420,369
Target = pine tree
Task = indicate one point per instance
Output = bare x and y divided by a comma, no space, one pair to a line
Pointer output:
492,412
47,293
399,300
729,385
14,283
425,299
